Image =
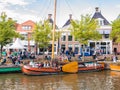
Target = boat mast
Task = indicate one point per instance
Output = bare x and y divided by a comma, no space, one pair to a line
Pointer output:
54,27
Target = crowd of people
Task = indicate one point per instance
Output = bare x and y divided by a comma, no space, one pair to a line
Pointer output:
17,56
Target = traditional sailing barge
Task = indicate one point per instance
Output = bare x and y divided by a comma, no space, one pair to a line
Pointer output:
71,67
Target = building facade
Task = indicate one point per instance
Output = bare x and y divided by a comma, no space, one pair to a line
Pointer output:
67,42
104,46
26,30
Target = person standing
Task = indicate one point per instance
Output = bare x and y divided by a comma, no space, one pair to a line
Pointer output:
94,55
114,58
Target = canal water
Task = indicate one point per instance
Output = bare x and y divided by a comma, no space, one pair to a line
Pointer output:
104,80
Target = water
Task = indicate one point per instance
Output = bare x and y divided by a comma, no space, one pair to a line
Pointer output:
105,80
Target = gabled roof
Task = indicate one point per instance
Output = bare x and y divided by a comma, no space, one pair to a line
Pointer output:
99,15
68,21
28,22
51,20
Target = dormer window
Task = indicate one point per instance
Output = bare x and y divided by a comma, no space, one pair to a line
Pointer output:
100,21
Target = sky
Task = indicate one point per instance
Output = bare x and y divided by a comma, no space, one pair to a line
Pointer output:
37,10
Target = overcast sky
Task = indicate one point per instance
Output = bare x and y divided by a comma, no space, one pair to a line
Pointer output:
36,10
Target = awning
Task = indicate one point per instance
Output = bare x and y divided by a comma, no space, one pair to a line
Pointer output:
17,45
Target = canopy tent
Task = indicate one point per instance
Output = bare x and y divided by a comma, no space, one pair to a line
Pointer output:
17,45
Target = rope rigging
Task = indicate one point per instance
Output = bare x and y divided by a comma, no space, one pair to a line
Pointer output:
70,8
47,9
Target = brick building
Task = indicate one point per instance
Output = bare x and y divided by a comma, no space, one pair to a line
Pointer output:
26,30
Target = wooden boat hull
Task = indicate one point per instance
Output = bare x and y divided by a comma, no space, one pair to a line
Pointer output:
28,70
115,67
10,69
91,68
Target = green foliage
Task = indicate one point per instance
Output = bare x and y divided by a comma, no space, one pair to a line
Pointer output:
7,30
85,29
115,33
42,33
57,35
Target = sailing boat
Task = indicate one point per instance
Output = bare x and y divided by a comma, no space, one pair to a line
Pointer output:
71,67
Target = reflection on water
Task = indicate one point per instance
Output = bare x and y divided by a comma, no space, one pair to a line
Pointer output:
105,80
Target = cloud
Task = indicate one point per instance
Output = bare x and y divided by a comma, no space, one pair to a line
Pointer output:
21,17
5,5
14,2
23,10
118,6
13,8
25,17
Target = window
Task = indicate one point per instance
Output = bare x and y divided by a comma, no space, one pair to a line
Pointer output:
76,50
69,38
26,27
87,49
64,38
106,36
70,47
100,21
63,48
50,48
55,48
103,43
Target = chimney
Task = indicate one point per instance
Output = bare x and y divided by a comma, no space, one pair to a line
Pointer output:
9,18
49,16
97,9
70,16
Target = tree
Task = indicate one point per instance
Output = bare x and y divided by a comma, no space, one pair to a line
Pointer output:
115,33
7,30
85,30
42,34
